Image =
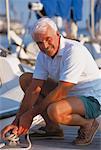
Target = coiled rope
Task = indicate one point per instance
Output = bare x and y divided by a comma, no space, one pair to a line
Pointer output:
14,141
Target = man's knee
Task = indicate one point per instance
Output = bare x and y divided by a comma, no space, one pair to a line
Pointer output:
54,113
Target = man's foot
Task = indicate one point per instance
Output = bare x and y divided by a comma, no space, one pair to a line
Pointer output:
43,133
86,135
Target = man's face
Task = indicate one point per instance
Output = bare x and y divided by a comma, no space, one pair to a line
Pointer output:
48,42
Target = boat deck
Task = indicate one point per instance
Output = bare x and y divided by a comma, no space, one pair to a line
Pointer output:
65,144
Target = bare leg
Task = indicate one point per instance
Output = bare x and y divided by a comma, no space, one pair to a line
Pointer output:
71,112
68,112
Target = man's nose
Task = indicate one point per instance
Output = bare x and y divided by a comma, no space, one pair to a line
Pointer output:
45,44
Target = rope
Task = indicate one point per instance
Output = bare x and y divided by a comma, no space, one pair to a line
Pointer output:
14,140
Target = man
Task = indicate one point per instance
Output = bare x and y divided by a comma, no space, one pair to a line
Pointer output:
65,87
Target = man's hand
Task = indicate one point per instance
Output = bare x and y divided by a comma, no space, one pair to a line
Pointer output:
11,127
25,122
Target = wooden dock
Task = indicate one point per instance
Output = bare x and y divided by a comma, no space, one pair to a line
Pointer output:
65,144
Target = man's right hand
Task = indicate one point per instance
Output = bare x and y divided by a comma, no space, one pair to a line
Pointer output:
7,129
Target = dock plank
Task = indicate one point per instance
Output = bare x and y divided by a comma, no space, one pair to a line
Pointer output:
66,144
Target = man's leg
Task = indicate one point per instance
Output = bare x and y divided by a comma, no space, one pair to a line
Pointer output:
68,111
49,85
71,112
24,81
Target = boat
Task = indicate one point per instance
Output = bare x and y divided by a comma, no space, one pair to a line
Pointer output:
10,70
10,91
26,54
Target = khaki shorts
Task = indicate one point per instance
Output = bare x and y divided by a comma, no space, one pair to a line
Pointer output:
92,107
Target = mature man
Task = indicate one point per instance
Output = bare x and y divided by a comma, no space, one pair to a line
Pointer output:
65,87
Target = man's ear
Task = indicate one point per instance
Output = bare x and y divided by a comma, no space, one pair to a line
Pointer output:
58,33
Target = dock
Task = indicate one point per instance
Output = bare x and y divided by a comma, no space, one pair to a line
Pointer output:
67,143
64,144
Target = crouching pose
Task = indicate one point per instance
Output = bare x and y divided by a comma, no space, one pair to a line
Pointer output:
65,87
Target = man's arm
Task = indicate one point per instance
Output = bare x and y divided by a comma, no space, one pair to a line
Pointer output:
30,97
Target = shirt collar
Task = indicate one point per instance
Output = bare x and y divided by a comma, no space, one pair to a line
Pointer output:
62,46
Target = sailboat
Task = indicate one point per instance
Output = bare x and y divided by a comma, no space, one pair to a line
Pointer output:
10,91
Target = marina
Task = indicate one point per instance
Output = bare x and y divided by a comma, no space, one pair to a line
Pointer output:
18,48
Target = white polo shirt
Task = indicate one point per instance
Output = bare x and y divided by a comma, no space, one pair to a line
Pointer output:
73,63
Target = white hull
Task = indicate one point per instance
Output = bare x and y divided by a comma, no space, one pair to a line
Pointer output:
10,91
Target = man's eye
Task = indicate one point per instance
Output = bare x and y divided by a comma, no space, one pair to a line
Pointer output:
39,43
49,39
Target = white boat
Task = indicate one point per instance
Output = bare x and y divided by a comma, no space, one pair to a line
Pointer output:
10,91
10,70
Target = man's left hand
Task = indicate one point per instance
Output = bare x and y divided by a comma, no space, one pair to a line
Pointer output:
25,122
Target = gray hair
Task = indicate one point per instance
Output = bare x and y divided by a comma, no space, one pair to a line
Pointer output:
41,25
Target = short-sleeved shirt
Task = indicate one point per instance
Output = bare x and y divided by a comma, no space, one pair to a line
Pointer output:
73,63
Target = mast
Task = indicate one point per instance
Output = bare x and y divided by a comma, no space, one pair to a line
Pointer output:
8,21
92,19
